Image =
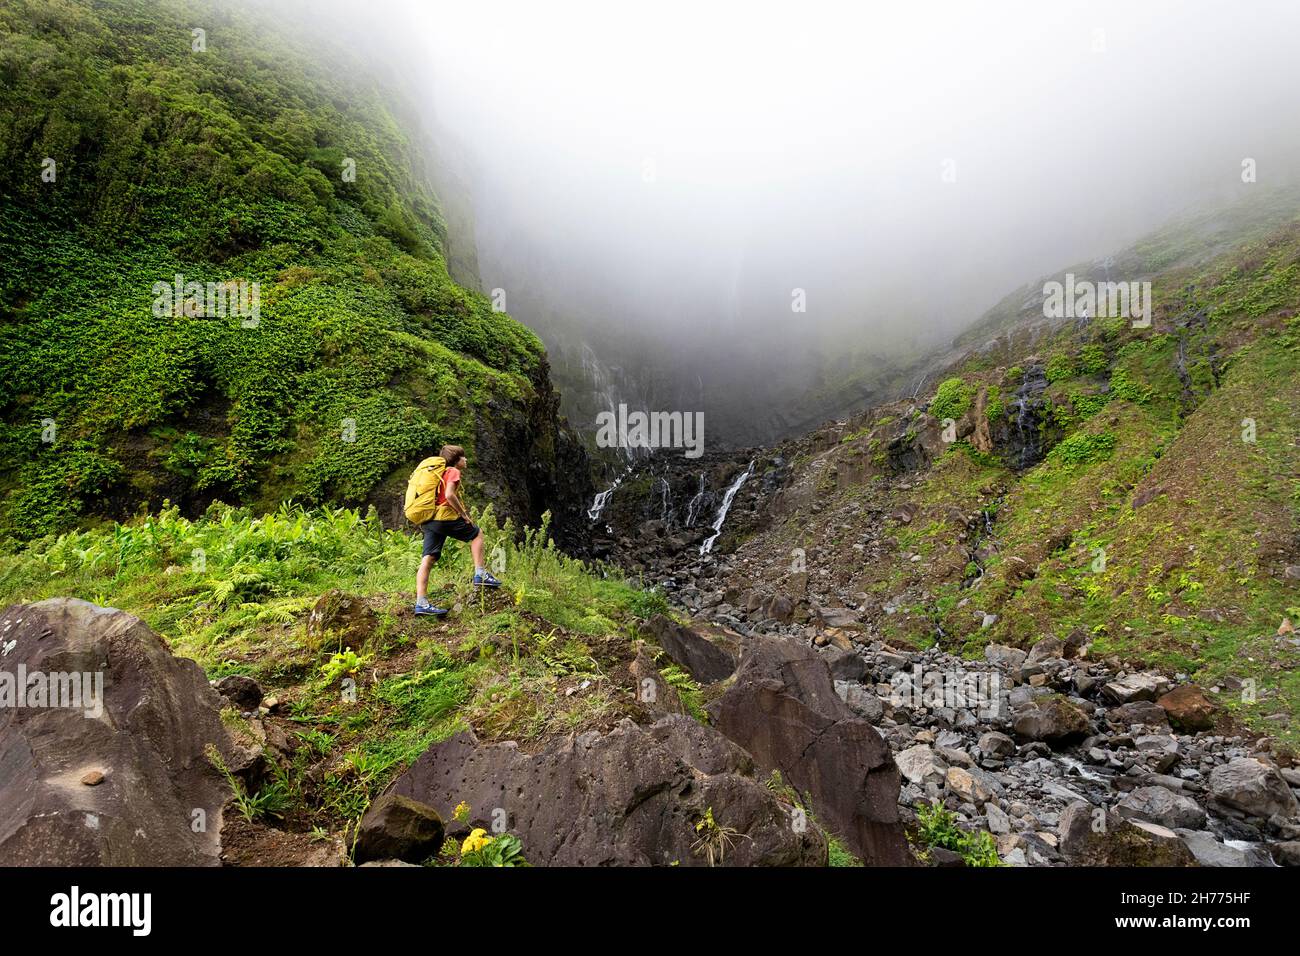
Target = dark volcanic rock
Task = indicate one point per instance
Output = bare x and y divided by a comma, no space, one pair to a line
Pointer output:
243,692
783,710
398,828
628,797
696,647
159,800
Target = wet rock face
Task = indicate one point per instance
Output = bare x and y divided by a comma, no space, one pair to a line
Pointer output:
784,711
632,796
123,782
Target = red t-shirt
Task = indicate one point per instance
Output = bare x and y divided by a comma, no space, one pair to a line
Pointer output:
446,512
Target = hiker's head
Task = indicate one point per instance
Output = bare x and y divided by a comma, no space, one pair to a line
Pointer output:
454,456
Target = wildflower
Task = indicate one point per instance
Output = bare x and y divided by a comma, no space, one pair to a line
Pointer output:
475,841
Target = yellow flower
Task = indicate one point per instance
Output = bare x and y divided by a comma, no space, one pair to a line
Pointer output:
461,812
475,841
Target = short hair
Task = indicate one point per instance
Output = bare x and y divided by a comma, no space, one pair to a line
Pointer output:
451,454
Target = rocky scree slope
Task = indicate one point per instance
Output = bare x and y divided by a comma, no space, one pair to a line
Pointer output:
1130,493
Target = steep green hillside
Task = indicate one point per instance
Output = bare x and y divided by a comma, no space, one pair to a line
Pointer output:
1165,512
1134,489
249,161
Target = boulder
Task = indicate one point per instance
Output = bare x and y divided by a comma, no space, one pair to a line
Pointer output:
243,692
1007,658
921,765
1140,712
706,651
1051,719
398,828
1146,685
1254,788
345,617
1044,650
1188,708
1090,837
783,709
971,785
1210,852
1287,853
845,664
780,609
997,744
142,733
654,693
1158,805
626,797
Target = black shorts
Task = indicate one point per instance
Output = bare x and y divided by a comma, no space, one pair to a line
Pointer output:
436,532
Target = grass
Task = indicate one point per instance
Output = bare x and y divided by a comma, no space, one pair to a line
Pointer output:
234,592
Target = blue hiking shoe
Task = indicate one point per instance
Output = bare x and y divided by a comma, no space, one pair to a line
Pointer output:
426,609
485,580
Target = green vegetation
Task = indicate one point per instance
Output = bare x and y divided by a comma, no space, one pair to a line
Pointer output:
937,827
363,352
952,399
234,592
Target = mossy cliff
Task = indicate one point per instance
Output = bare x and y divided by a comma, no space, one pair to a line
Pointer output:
134,150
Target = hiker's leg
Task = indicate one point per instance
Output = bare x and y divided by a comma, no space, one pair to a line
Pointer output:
422,578
476,549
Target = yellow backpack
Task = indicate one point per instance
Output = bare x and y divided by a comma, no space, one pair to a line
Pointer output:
422,489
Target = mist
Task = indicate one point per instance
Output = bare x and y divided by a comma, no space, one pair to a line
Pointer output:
753,210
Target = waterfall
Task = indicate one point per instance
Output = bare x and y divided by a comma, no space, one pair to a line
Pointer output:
602,498
707,546
1033,383
693,508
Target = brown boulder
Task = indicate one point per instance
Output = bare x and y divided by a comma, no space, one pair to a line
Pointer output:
783,710
158,800
1188,708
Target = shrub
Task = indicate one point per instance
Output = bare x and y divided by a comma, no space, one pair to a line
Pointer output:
951,400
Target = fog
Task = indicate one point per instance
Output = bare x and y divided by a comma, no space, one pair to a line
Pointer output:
655,187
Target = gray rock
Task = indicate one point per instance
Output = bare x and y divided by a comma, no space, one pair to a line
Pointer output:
1254,788
864,702
1145,685
1004,657
1051,719
1158,805
1210,852
398,828
997,744
921,765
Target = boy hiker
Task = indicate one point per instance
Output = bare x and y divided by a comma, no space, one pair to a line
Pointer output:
433,502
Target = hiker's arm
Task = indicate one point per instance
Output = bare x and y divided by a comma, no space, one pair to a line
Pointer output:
453,498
